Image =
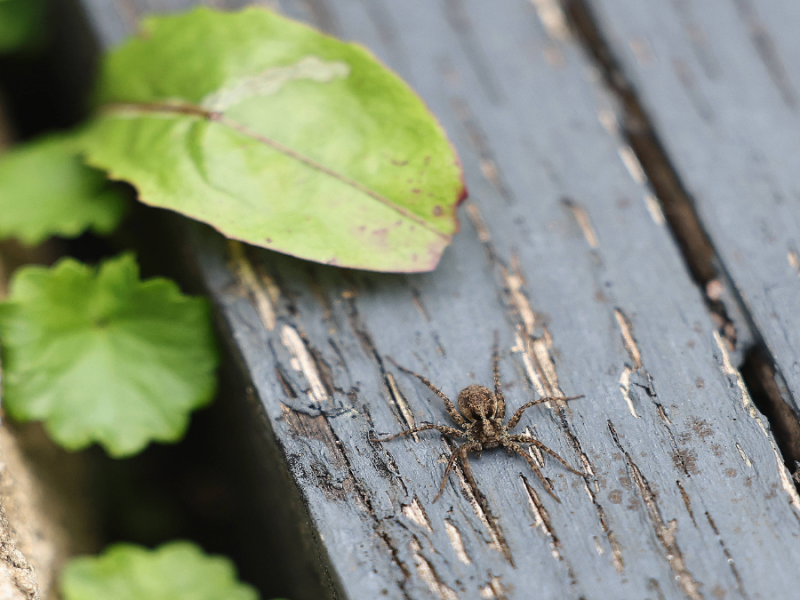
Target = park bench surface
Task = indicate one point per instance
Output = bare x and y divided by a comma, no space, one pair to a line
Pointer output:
566,252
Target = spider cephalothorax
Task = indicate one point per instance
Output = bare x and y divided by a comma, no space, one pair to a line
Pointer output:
480,416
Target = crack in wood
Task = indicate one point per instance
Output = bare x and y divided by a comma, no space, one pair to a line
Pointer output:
428,574
664,532
401,404
749,406
486,158
728,557
543,519
687,502
541,370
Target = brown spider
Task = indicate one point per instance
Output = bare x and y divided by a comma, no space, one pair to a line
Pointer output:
481,420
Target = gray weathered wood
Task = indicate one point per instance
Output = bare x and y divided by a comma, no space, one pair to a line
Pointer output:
721,82
561,252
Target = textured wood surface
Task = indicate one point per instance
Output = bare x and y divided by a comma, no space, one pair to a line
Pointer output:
565,253
721,82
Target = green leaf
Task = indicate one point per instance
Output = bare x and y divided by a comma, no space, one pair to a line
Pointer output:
101,356
278,136
175,571
46,189
21,23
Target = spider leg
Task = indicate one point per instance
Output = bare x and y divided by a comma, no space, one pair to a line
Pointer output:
451,410
514,447
461,451
440,428
501,401
524,439
512,422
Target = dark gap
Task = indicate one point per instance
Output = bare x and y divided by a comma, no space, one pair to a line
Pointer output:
700,257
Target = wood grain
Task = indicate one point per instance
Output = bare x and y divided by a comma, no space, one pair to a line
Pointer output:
564,252
719,80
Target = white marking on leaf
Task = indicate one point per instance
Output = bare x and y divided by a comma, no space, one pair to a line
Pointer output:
270,81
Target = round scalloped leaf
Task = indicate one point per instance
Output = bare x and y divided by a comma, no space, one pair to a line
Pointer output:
46,189
101,356
279,136
174,571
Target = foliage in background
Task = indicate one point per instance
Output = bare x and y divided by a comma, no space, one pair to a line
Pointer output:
279,136
174,571
46,190
21,24
101,356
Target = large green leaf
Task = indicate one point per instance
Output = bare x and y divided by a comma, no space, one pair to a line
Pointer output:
45,189
101,356
279,136
175,571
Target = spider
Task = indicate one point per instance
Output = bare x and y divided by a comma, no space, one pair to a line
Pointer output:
480,415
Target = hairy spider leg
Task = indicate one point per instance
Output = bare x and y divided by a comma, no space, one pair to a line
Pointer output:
501,401
461,451
440,428
515,447
451,410
512,422
525,439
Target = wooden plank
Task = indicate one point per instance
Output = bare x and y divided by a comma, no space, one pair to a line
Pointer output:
565,254
720,82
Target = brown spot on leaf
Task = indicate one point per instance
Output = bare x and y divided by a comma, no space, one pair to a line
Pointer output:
437,211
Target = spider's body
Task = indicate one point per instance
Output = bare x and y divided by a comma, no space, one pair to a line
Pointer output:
480,417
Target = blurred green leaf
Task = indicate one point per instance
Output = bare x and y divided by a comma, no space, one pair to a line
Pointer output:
21,23
101,356
46,189
175,571
279,136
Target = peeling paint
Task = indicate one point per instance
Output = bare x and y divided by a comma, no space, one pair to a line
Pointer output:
794,261
477,220
744,456
415,512
303,362
582,218
631,162
428,574
553,18
402,404
654,208
251,286
456,541
635,356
